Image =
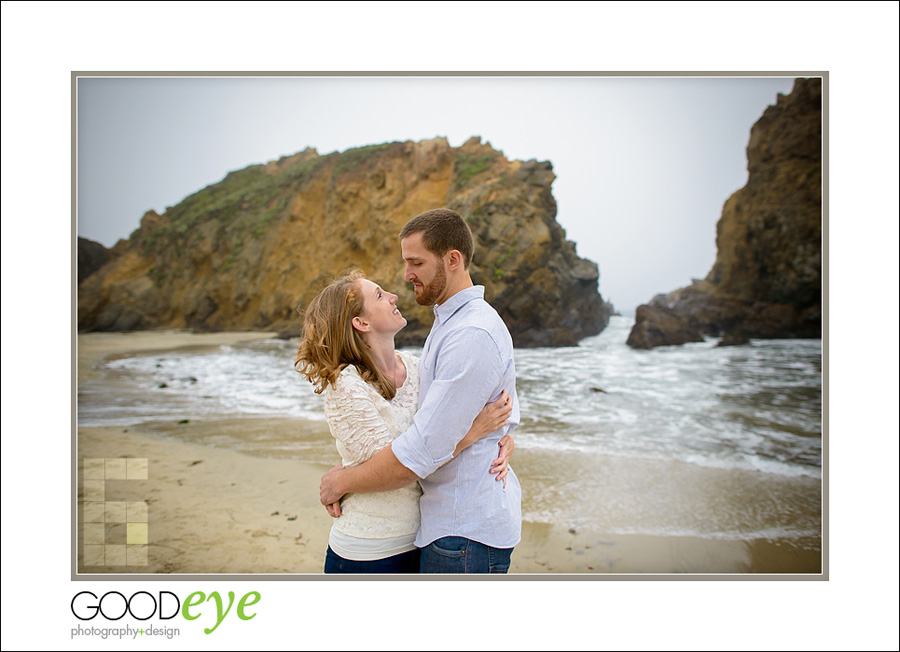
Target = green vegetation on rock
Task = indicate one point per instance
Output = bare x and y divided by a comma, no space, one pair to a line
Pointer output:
466,166
358,156
245,201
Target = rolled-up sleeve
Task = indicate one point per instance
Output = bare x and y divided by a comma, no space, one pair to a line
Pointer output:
466,377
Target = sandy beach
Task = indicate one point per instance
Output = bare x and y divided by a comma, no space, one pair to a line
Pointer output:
217,511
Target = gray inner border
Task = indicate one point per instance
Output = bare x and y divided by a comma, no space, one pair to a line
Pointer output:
75,576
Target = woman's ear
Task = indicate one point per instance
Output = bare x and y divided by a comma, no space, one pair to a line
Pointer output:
359,324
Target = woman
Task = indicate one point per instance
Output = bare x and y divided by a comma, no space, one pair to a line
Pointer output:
371,394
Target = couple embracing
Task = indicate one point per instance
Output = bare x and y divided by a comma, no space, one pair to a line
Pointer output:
425,484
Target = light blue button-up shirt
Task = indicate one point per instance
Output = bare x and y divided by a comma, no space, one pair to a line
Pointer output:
467,362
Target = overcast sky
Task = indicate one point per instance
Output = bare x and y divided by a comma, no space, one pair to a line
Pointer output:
643,164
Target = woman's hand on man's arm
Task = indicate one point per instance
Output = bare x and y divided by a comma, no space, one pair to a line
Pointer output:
500,465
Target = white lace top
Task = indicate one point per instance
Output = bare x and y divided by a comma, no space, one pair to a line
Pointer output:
363,422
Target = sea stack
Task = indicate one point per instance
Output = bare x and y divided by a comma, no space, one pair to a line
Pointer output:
766,281
248,252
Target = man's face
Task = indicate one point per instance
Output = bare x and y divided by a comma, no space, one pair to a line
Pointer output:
424,270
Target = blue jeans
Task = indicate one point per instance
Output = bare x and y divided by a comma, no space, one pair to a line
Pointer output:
461,555
405,562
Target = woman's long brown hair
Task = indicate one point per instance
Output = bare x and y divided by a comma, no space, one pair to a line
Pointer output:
330,342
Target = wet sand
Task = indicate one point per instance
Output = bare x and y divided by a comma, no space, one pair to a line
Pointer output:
216,511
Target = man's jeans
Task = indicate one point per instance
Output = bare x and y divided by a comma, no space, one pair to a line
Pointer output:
461,555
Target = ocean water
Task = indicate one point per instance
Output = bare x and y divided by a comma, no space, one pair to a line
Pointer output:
694,440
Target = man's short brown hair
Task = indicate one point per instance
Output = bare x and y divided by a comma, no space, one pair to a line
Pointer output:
442,230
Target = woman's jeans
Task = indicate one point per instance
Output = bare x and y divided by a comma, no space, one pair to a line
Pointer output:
461,555
405,562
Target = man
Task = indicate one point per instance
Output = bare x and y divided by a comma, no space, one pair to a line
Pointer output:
470,523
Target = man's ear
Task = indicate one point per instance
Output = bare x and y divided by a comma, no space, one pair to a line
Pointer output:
360,324
454,259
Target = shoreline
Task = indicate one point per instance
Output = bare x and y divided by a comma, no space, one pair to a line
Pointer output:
218,511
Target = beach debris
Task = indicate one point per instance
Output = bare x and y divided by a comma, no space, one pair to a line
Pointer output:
292,518
162,386
195,463
184,421
572,531
568,547
599,389
275,513
190,379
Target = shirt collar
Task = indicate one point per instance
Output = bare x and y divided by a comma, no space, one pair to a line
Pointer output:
446,310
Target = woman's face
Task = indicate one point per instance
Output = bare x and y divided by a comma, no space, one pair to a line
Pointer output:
380,314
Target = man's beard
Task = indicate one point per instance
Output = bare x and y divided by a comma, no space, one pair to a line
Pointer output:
431,292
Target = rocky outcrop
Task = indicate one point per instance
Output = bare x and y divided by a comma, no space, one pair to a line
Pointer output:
766,281
91,257
247,252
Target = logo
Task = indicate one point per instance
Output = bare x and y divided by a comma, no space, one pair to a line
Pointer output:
143,605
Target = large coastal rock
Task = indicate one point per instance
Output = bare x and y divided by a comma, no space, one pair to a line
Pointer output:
766,281
91,257
247,252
